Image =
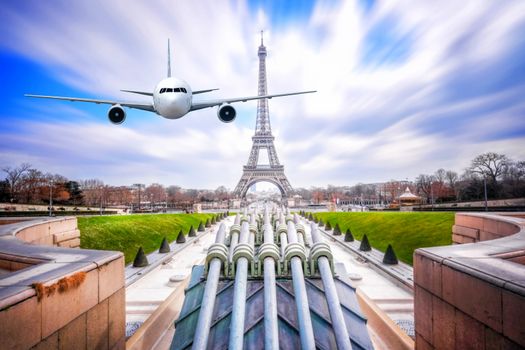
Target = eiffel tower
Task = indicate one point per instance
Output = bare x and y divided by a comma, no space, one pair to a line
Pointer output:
254,172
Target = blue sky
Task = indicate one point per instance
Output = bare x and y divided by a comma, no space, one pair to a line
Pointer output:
405,87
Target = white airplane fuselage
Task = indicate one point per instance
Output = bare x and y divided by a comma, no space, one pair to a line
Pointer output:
172,98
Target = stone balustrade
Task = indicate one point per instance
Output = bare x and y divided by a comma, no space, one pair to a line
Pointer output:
56,297
473,295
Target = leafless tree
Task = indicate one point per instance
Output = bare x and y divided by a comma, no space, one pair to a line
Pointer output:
424,184
14,175
92,190
31,185
491,165
452,180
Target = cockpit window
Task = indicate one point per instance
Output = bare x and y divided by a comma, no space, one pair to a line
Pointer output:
163,90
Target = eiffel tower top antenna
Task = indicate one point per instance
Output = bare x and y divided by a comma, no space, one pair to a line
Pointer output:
262,31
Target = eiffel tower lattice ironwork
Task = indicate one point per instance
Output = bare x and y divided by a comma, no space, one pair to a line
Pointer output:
263,139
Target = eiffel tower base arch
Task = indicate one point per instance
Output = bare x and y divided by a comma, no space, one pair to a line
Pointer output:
258,174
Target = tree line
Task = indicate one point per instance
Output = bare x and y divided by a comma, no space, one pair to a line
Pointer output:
27,185
502,177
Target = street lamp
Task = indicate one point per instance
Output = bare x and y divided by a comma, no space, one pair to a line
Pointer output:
51,197
485,190
432,194
139,186
102,189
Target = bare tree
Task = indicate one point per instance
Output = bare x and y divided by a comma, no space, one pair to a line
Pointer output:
514,179
439,183
491,165
155,193
31,184
424,184
92,190
452,181
14,175
222,193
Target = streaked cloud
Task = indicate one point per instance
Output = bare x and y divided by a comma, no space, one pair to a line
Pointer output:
404,87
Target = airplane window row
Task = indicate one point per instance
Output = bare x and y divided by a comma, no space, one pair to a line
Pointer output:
163,90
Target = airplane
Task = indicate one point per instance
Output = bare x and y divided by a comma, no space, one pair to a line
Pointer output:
172,98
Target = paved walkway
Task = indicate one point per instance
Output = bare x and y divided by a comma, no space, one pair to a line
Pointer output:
147,288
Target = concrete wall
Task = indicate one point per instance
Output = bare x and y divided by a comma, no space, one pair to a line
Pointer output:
60,232
469,228
65,298
472,296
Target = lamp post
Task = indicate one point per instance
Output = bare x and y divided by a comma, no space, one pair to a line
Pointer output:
102,189
485,190
139,186
432,194
51,197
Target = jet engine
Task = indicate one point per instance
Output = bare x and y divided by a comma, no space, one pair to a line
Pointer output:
116,114
226,114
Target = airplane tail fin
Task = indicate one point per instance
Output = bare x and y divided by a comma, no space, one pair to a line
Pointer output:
169,60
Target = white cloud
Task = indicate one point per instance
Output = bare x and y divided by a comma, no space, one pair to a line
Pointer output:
366,123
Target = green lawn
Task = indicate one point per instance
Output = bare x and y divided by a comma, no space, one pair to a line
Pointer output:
127,233
405,231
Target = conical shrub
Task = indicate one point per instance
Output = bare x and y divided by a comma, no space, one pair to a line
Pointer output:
140,259
181,238
337,230
201,227
390,257
208,223
213,220
228,213
348,236
365,245
328,227
316,220
191,232
310,217
164,246
321,223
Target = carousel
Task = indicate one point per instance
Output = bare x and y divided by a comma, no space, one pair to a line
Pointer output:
408,199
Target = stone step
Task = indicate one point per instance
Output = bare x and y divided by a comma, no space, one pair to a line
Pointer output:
396,309
394,301
142,309
143,302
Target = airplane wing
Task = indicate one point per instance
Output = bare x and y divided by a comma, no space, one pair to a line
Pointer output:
137,105
203,91
138,92
205,104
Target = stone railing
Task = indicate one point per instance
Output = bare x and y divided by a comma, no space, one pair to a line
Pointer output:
473,295
470,228
60,232
56,297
